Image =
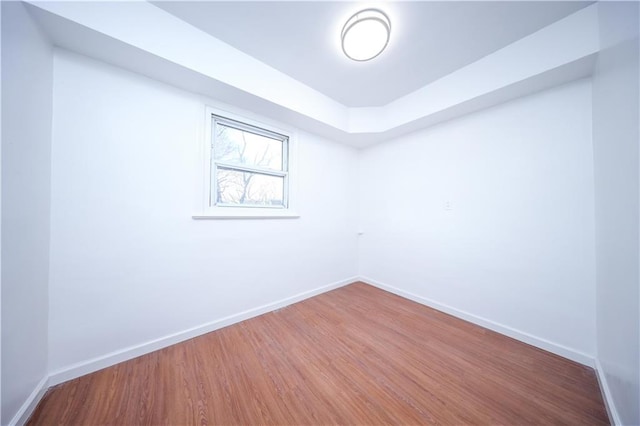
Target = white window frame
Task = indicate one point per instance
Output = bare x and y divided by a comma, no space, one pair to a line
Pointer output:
208,208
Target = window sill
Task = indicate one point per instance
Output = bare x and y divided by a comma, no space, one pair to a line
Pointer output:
231,213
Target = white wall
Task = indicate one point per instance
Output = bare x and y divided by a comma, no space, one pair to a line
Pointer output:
26,150
128,263
616,137
516,247
0,213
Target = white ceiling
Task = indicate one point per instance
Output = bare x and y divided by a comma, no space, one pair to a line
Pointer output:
140,37
429,39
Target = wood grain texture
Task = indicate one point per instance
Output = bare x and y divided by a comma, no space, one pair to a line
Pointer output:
355,355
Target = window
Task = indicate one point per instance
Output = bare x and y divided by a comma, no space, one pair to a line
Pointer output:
249,165
248,169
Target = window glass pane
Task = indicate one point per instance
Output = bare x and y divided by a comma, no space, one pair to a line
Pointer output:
245,188
241,147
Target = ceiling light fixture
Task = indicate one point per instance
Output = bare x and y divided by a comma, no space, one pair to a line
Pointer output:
366,34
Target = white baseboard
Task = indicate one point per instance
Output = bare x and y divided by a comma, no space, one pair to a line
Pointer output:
614,417
30,404
555,348
95,364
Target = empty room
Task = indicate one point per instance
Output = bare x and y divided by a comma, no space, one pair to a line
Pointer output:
319,213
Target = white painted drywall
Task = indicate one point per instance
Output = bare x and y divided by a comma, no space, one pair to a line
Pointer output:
26,153
167,49
492,214
0,213
562,42
615,138
128,263
153,30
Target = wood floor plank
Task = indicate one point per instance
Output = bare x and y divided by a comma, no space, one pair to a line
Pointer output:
355,355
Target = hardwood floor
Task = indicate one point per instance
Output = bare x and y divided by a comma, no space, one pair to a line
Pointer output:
355,355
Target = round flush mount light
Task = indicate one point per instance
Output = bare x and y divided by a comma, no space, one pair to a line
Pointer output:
366,34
